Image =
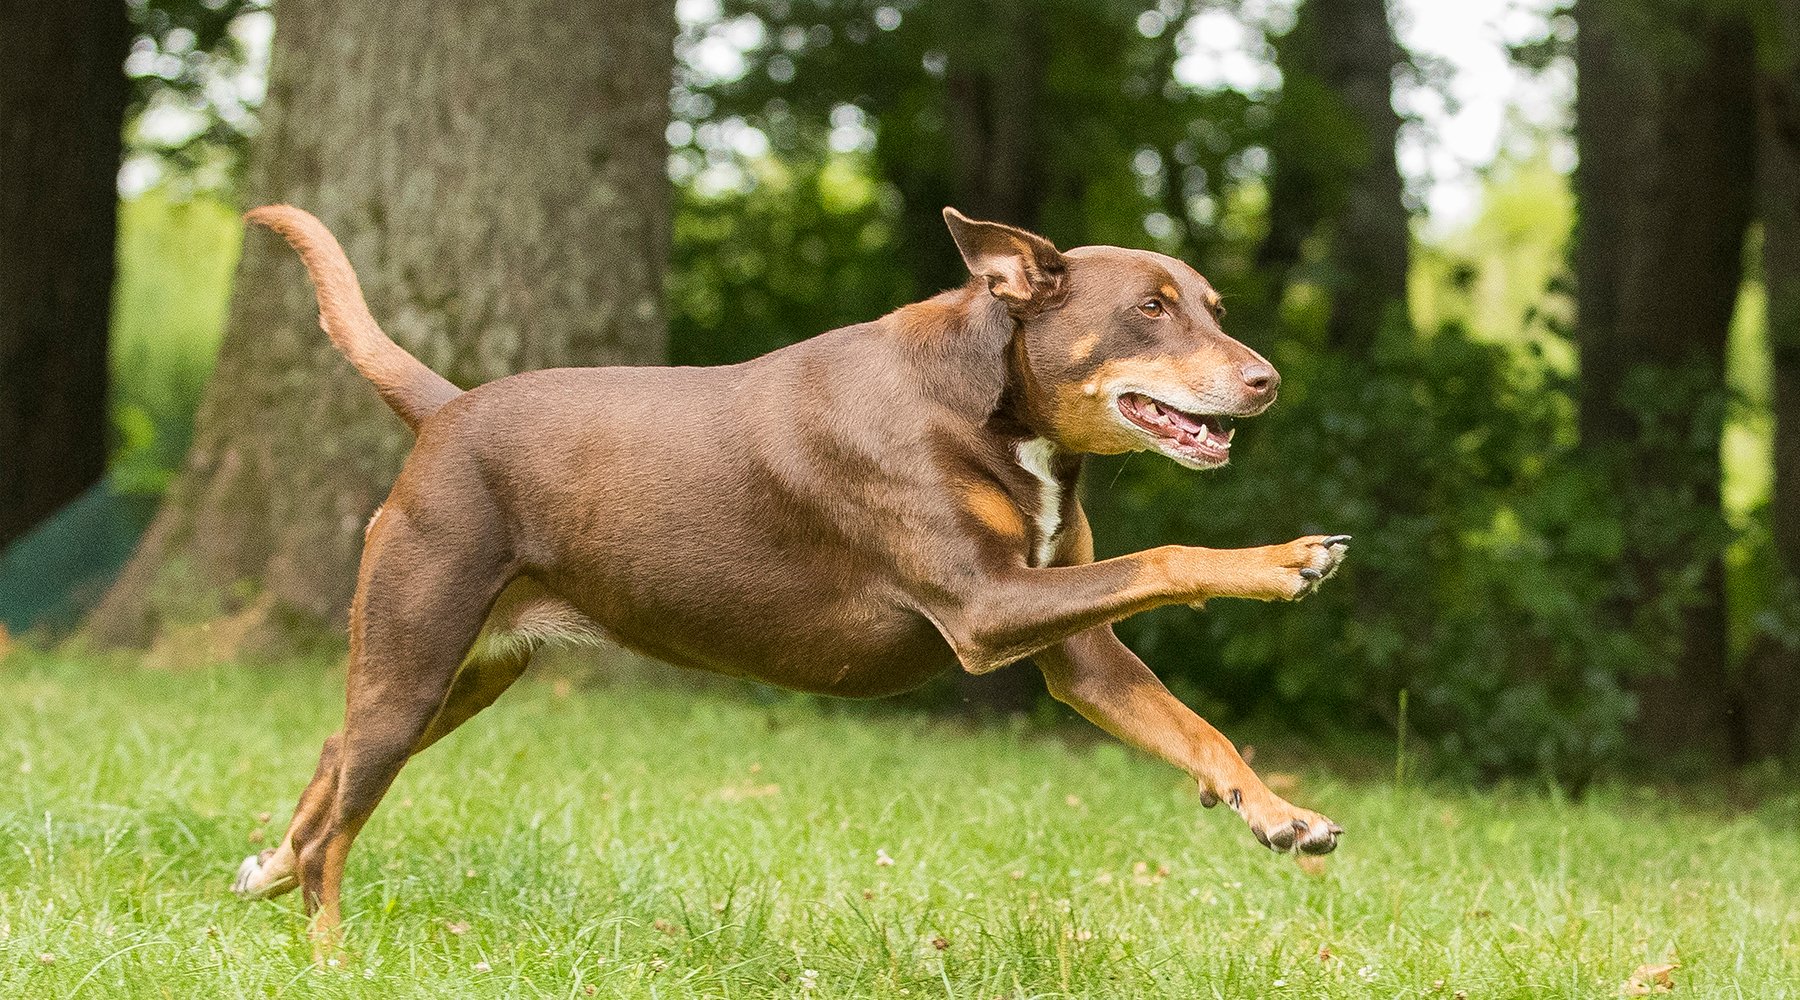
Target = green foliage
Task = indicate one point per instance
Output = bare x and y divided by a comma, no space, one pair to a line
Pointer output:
169,300
801,248
190,67
1077,99
1497,275
1482,551
649,843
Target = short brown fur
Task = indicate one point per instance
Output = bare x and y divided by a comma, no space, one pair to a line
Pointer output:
850,515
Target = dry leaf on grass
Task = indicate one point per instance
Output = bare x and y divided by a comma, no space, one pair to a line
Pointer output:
748,790
1649,979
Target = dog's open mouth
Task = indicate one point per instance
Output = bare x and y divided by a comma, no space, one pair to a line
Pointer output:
1196,438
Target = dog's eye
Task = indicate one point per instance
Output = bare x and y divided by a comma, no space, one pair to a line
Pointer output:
1151,307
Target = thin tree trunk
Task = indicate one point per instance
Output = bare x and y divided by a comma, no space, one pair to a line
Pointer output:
496,174
1772,682
993,107
62,106
1338,64
1683,148
1371,250
1608,134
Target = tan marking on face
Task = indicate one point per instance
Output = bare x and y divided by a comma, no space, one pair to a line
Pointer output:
1086,421
1084,424
1170,292
1159,371
1083,348
1213,300
994,510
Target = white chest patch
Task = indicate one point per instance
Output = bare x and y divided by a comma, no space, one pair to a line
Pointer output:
1036,457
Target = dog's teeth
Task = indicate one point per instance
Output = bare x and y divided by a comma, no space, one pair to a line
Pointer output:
1230,435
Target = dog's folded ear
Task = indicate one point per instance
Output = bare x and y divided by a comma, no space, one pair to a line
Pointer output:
1021,268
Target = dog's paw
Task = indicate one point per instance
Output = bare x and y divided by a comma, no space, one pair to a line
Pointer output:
1310,562
259,878
1283,827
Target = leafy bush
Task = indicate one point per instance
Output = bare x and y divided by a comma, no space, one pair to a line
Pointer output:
1483,552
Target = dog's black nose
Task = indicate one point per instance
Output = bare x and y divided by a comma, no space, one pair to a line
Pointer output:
1261,376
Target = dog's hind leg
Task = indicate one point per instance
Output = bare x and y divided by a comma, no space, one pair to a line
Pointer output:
523,619
422,596
273,872
482,679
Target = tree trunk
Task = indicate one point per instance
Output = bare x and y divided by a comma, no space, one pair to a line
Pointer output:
1333,141
1607,136
1680,137
1772,705
62,106
496,173
993,107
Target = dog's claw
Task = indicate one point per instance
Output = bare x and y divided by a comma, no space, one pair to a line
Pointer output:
1283,839
1336,540
1311,574
1322,843
254,881
247,871
1298,835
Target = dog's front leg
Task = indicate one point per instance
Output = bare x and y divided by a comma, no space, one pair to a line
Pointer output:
1007,615
1095,674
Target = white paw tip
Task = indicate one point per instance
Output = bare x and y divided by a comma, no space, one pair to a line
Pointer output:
246,873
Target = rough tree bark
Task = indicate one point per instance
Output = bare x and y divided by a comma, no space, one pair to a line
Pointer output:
1333,142
1772,681
62,106
1673,150
496,173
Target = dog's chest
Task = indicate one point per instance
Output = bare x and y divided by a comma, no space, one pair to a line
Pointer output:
1038,457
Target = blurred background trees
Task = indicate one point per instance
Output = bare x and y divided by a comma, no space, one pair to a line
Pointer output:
1564,425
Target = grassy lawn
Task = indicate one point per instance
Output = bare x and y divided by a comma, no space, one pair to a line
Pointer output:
632,842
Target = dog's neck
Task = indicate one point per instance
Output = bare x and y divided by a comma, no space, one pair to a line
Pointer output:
971,354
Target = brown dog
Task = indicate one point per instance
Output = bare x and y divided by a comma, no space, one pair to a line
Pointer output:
850,515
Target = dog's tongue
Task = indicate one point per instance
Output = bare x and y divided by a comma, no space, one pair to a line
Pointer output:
1179,420
1185,428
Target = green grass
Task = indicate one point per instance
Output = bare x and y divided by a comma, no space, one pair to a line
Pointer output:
653,843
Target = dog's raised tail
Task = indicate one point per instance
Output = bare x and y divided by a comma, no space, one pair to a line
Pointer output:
405,384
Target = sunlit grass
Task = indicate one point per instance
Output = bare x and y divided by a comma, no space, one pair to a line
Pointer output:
648,842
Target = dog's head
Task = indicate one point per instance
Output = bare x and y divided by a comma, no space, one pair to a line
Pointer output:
1119,350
